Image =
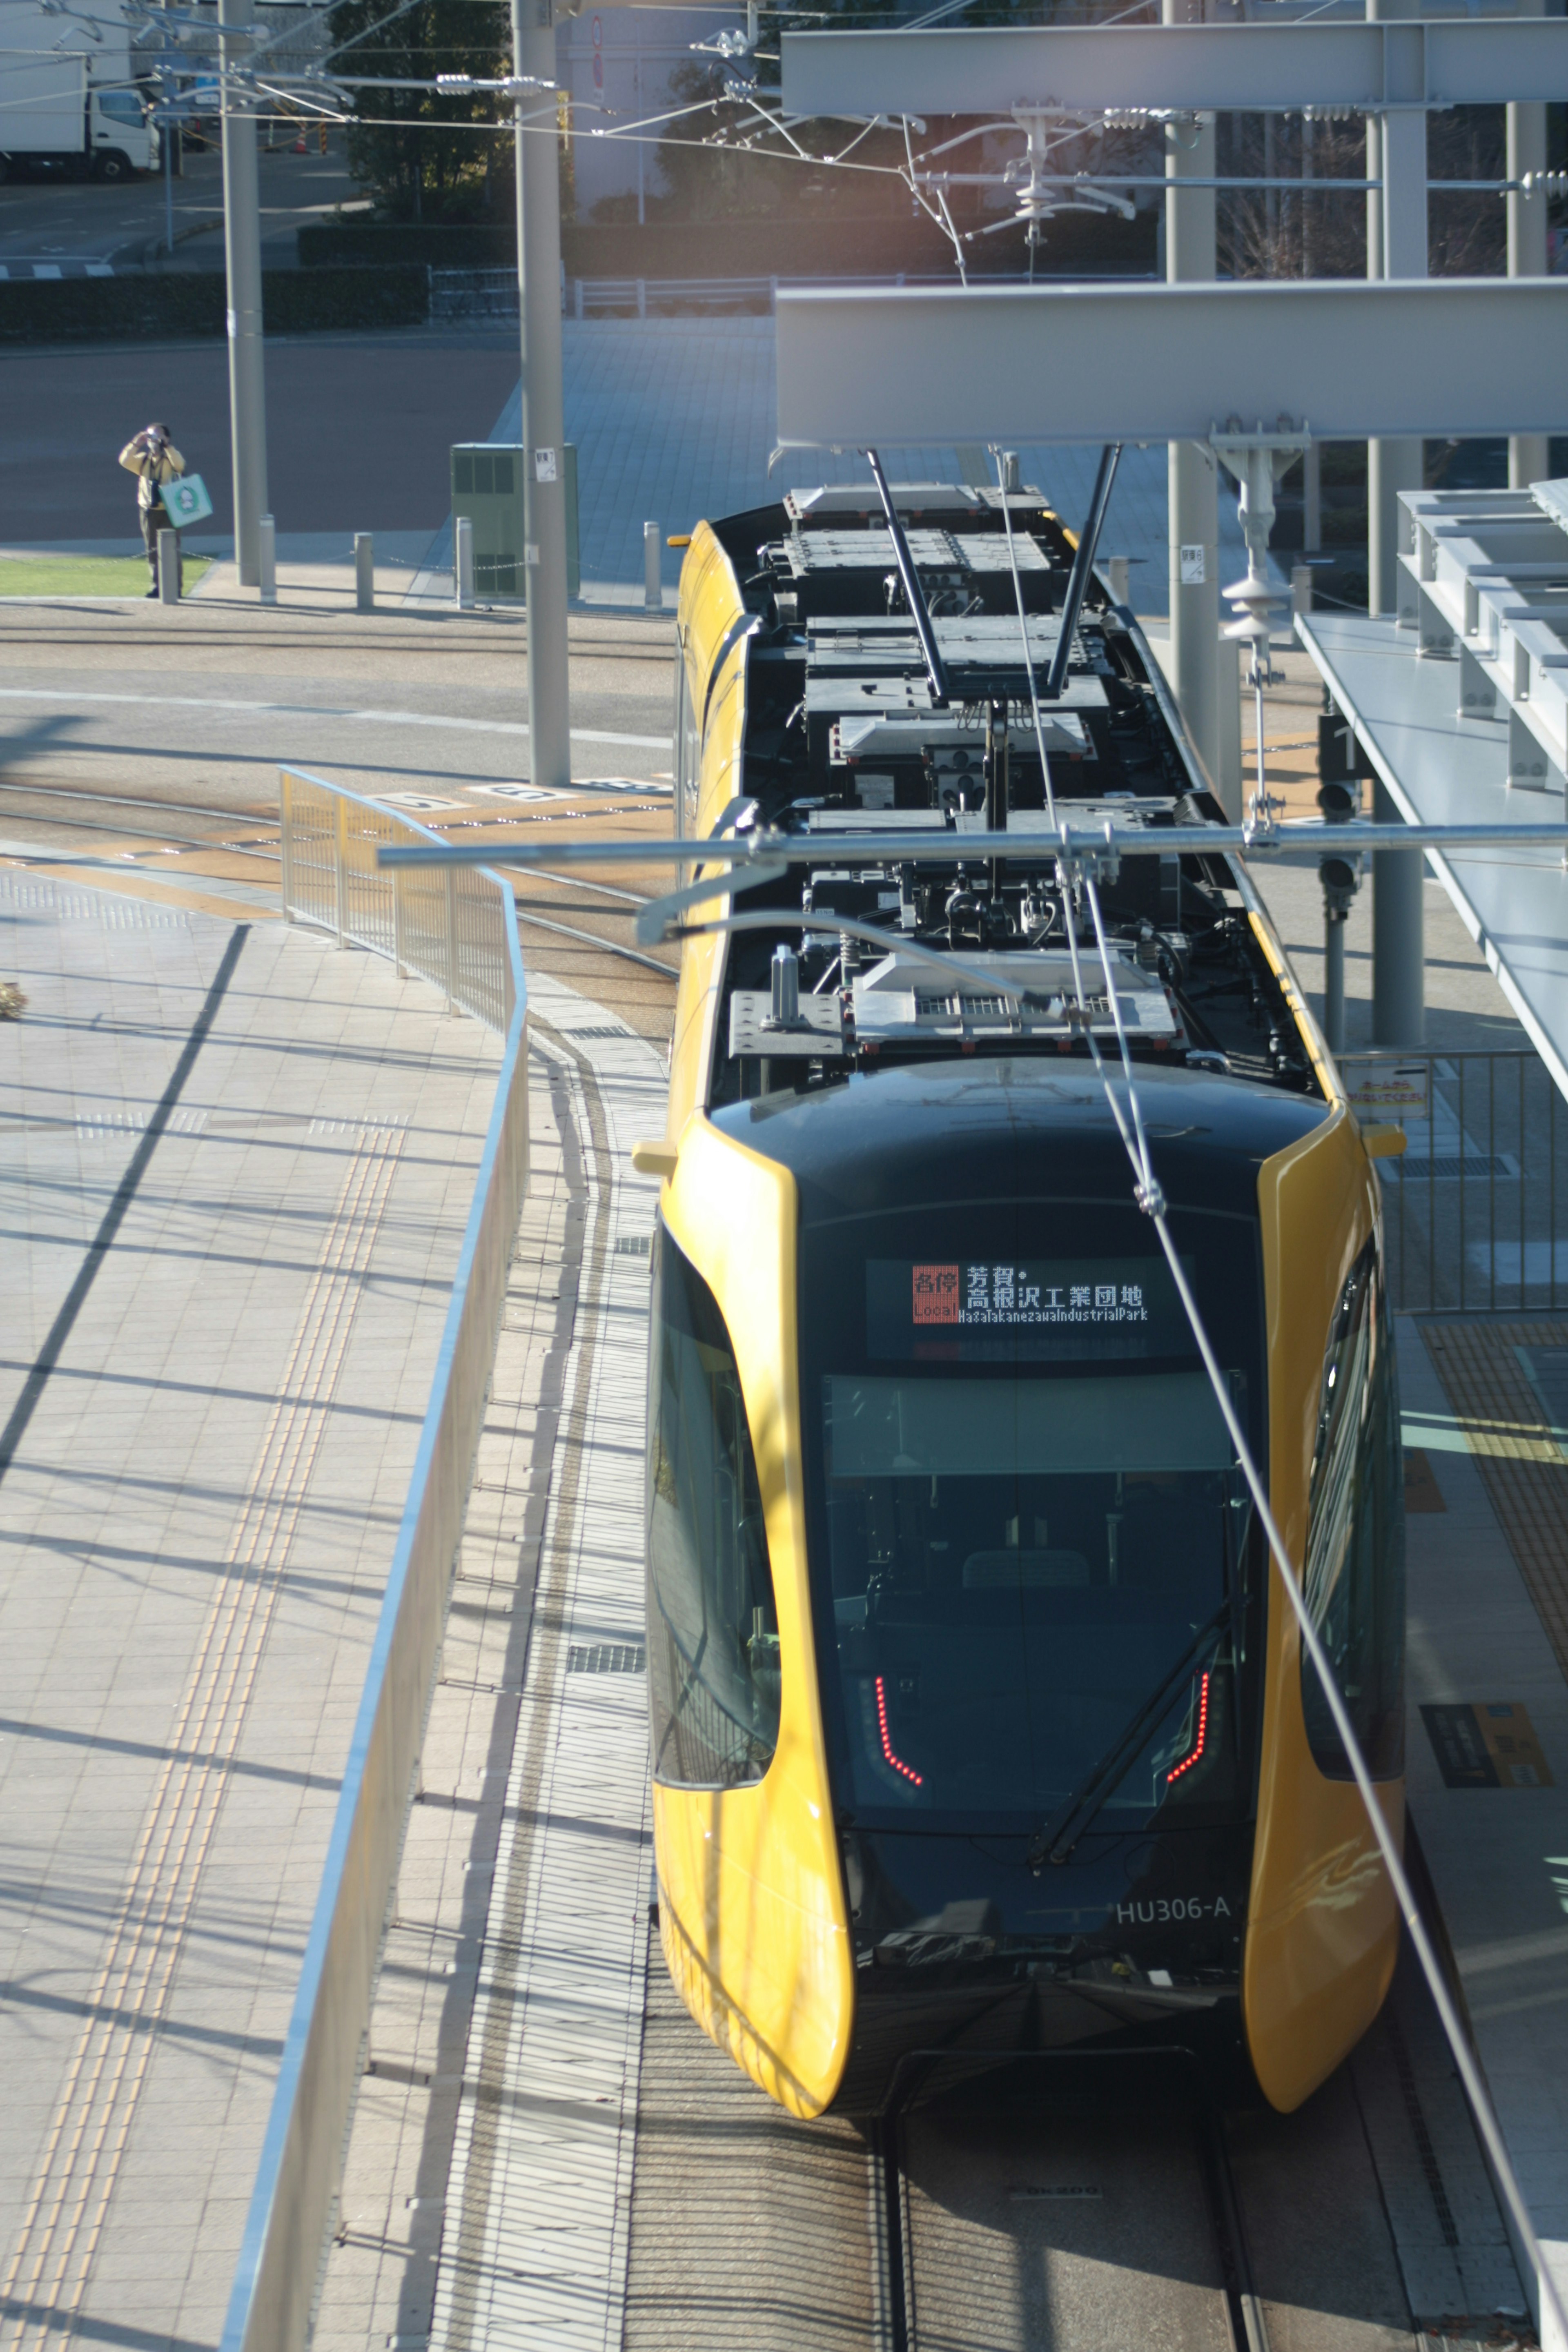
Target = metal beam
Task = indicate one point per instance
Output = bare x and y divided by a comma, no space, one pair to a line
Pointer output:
1349,362
1250,69
1293,845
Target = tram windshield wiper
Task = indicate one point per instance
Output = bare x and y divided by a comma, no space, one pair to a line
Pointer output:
1069,1824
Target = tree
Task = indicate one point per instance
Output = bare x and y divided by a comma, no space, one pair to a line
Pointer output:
414,155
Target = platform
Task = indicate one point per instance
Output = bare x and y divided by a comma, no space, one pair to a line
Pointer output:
237,1165
1485,1401
1442,769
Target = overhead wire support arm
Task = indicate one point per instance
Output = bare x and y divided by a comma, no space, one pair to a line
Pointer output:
914,594
1082,565
1108,842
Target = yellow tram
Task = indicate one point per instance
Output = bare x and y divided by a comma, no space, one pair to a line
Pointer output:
978,1719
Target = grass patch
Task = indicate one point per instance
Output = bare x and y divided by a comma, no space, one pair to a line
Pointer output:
85,575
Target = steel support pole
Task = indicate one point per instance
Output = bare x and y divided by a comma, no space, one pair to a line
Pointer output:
1529,455
1398,945
1396,248
544,420
1194,489
1335,982
242,254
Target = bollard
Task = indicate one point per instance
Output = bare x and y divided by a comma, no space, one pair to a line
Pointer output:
1117,576
365,570
652,569
463,563
1300,589
267,549
168,567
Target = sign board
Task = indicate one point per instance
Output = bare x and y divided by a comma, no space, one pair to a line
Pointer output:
1389,1089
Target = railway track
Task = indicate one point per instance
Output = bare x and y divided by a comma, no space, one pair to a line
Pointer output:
581,932
1007,2215
1096,2222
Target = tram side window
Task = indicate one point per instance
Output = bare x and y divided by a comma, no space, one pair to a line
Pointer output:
1355,1540
714,1648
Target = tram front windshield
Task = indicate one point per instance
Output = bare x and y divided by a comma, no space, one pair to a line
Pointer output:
1033,1532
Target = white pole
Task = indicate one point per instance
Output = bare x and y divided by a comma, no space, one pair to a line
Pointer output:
267,547
1396,247
463,563
365,570
242,250
1528,459
1194,519
544,471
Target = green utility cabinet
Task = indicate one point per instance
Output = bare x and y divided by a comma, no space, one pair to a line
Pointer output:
487,487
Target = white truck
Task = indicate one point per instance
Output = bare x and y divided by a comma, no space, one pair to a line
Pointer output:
69,99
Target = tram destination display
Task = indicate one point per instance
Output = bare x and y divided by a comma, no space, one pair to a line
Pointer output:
969,1310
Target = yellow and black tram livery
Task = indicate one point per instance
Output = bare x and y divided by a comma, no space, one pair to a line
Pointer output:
979,1717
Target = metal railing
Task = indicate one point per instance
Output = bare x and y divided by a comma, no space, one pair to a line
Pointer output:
1476,1211
456,927
330,879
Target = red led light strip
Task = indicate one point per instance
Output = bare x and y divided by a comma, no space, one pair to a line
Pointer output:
1187,1762
888,1744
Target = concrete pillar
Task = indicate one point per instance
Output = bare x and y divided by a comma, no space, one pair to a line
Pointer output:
1529,459
543,411
1194,480
1396,247
242,256
1398,945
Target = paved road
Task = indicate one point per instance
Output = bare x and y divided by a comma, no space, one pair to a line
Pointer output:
56,220
135,739
358,428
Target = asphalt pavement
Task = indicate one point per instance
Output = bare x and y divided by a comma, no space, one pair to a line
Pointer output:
204,705
359,428
56,220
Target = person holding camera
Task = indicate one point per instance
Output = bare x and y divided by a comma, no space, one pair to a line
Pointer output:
153,457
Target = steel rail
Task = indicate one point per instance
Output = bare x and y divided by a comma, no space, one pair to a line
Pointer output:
590,939
1024,844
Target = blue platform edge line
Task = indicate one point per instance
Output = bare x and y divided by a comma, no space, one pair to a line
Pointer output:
274,2145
